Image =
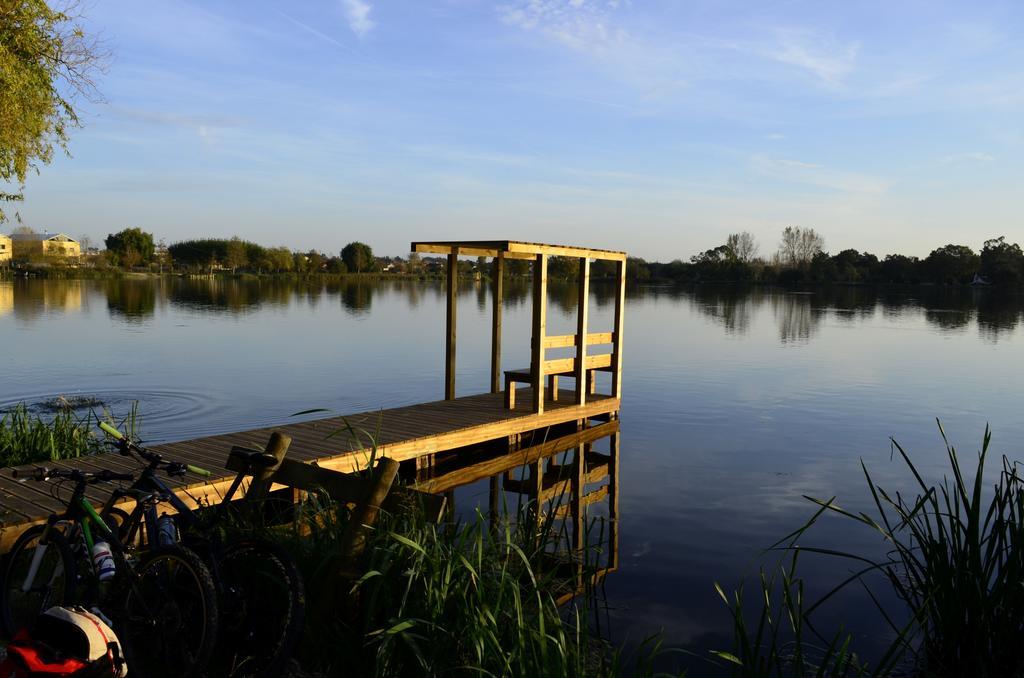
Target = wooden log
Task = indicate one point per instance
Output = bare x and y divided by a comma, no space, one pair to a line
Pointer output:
277,447
343,565
349,487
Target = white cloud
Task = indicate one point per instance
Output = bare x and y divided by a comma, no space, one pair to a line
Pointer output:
579,24
358,14
823,58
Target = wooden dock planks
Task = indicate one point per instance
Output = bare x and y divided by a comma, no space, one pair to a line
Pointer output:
401,433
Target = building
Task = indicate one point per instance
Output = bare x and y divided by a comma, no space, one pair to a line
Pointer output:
32,245
6,249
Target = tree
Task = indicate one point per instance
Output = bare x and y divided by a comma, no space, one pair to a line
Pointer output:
743,246
47,62
1001,262
799,245
952,264
358,257
235,257
130,247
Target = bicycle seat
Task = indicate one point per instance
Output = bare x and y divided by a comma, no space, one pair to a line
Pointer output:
253,458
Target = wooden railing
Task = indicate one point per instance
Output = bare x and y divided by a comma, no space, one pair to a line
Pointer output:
568,340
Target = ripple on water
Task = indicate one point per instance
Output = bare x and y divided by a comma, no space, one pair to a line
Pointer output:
166,414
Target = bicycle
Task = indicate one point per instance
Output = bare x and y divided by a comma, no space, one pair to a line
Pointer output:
162,604
260,589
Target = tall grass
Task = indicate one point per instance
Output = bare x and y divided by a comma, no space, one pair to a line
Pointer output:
26,437
471,598
955,561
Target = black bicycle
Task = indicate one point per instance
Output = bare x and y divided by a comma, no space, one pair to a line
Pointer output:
259,586
162,603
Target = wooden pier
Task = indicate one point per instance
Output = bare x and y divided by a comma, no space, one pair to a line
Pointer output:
416,433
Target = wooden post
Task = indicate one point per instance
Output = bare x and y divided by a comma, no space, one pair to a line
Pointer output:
365,514
277,446
613,499
343,564
581,332
449,353
498,271
540,315
620,308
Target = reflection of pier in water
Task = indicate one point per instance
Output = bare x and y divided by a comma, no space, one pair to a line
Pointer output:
566,474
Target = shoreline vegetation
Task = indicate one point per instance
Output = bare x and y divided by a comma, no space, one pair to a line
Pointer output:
801,259
473,597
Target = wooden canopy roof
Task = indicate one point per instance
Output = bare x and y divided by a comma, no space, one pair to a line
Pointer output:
512,249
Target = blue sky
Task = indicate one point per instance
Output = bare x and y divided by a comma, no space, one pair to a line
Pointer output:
655,127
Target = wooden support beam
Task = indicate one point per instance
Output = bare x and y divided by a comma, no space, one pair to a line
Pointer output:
449,352
620,309
581,331
540,315
498,284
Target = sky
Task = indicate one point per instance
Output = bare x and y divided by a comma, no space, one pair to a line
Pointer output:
656,127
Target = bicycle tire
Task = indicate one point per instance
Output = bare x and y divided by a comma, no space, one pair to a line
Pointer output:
167,618
19,609
263,599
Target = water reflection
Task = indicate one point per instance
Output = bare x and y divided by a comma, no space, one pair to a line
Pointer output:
797,315
31,299
564,477
131,300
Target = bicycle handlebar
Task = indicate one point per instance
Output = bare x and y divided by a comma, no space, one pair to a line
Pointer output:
111,431
127,446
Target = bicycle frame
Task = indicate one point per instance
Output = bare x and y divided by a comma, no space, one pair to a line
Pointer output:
80,513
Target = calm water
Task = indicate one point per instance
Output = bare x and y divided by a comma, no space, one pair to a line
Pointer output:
736,403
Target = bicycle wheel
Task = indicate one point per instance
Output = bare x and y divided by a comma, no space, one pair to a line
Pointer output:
54,582
263,600
167,620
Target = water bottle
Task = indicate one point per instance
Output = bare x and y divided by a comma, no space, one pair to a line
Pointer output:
166,532
103,561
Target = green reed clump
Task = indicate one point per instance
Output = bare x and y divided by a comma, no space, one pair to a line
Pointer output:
781,641
473,598
956,562
26,437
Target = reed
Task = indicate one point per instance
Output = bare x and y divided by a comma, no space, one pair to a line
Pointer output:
26,437
471,598
955,559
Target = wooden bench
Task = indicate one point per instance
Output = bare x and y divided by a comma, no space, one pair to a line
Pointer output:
552,370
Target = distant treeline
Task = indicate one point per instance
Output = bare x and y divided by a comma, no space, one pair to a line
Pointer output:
801,259
219,254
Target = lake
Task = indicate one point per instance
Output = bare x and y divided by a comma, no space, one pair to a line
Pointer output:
736,402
